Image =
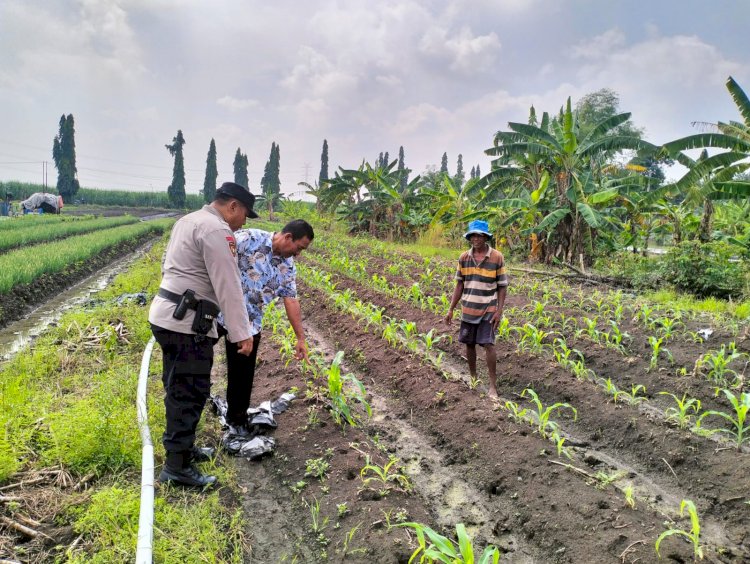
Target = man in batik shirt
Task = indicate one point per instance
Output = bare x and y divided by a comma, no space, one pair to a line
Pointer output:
267,271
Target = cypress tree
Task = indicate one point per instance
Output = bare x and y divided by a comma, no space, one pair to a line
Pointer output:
64,154
479,174
386,159
460,176
176,190
444,164
380,160
472,173
403,174
323,177
240,169
270,184
212,173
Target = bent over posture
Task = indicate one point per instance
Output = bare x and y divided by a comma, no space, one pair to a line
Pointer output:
481,285
199,278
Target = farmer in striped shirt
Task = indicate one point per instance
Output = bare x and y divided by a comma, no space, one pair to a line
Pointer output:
481,285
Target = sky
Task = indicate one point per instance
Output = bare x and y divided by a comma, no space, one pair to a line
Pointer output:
432,76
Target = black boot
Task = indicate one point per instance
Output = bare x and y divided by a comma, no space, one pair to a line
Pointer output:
178,470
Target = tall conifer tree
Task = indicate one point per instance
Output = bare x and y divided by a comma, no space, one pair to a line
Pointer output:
212,173
444,164
323,177
270,184
460,176
403,174
176,190
240,169
64,154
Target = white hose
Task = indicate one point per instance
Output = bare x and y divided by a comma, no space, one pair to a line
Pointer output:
144,549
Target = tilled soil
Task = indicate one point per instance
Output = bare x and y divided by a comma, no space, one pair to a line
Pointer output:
504,481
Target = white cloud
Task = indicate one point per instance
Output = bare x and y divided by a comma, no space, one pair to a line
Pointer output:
600,46
236,104
465,52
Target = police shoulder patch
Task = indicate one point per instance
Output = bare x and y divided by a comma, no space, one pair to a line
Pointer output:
232,245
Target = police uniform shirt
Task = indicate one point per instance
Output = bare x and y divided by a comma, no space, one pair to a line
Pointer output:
201,256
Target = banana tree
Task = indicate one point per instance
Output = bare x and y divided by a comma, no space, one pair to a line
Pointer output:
573,162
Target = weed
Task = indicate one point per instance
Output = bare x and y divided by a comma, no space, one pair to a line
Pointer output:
349,539
342,509
603,479
629,499
316,468
298,487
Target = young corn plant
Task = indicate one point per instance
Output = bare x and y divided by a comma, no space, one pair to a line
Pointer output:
518,415
563,354
693,535
609,387
680,413
434,547
340,394
532,339
715,366
429,339
656,351
739,431
632,397
384,476
545,425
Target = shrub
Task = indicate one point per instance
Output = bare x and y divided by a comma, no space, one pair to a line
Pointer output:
705,269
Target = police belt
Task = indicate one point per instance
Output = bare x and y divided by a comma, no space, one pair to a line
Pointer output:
205,310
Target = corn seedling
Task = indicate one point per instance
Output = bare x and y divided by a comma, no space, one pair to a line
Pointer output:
656,351
390,333
693,535
632,397
341,396
318,524
629,499
503,328
545,425
579,370
384,475
563,353
739,431
434,547
429,339
644,315
680,414
559,443
715,365
668,326
609,386
518,415
532,339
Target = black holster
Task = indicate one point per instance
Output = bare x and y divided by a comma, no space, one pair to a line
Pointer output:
205,313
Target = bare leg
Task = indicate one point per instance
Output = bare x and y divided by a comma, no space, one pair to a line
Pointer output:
471,356
491,356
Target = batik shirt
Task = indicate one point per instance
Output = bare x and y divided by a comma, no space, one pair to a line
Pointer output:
264,276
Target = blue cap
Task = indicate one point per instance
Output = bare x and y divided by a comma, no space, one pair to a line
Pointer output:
480,227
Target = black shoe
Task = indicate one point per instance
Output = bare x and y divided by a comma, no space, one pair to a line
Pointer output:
188,476
202,454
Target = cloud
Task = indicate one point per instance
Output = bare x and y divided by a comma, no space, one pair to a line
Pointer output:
600,46
465,52
236,104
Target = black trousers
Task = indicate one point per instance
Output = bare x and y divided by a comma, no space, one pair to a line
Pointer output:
187,384
240,375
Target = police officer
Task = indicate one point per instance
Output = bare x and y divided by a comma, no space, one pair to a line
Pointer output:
199,277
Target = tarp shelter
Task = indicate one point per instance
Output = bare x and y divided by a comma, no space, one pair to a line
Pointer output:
48,203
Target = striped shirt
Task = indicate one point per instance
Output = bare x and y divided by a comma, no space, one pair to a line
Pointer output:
481,282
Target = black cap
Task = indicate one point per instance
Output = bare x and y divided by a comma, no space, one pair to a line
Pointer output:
239,192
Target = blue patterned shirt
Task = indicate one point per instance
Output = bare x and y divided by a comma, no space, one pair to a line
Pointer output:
264,276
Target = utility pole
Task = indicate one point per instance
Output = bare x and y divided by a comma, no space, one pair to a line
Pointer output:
307,171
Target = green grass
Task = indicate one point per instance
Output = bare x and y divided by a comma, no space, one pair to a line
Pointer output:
738,310
62,402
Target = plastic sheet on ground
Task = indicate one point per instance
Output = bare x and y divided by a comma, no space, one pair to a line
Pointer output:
705,333
250,441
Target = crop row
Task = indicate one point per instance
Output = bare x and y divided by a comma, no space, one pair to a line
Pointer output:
42,233
540,415
23,266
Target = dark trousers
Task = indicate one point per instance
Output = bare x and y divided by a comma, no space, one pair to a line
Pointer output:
187,384
240,374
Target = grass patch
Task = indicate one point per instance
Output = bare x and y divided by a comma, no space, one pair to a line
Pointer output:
70,401
738,310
